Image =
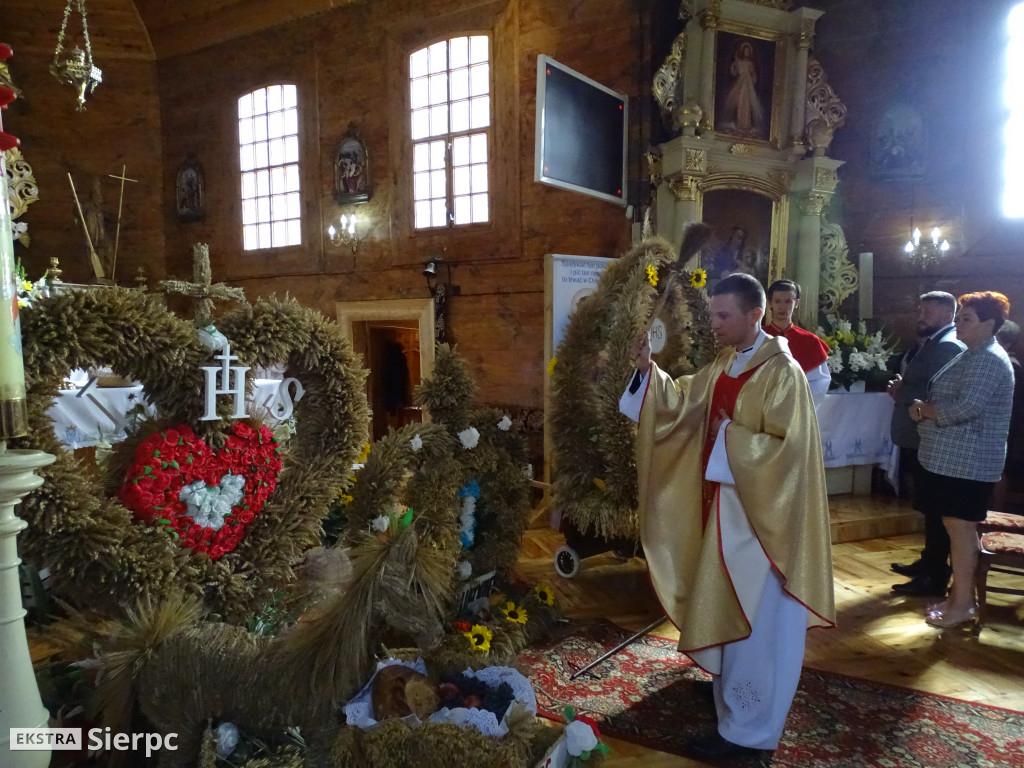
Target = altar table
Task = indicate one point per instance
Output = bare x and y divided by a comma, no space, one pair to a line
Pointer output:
854,437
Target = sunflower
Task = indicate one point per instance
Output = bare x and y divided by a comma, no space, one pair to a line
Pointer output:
480,638
699,278
652,274
545,594
364,455
514,613
551,366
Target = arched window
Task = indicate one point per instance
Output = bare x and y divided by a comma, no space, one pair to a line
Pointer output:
450,101
1013,194
268,141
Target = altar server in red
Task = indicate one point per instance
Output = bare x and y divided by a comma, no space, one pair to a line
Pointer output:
734,515
808,349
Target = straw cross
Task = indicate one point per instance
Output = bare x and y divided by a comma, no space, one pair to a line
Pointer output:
203,290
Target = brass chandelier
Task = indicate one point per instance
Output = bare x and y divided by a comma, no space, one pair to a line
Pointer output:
76,68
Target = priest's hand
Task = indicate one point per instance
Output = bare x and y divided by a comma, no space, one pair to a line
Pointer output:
716,423
894,386
640,351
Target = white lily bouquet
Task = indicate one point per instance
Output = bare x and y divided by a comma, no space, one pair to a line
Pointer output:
854,355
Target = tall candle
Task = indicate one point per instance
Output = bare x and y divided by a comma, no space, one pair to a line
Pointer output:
13,405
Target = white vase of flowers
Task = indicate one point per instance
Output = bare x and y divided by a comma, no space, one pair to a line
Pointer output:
856,356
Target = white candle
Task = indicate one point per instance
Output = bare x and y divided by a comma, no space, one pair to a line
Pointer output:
13,413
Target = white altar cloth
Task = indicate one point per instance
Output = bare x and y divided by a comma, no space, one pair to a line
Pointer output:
855,429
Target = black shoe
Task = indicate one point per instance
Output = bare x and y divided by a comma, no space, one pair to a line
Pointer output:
922,586
705,690
910,570
715,746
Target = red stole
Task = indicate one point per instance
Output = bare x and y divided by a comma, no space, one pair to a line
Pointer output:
727,389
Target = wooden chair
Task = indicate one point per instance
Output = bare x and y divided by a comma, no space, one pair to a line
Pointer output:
1001,521
1003,552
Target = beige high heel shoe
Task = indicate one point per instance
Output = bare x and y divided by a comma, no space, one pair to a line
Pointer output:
950,619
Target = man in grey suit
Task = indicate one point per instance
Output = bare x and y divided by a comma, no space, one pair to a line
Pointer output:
935,311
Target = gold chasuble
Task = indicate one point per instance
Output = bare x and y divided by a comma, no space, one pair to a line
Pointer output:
774,452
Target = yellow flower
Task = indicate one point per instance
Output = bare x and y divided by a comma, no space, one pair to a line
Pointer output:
364,455
652,274
344,498
698,278
545,594
514,613
22,303
26,285
480,638
599,483
551,365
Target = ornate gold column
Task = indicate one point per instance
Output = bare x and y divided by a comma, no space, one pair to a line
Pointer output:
815,183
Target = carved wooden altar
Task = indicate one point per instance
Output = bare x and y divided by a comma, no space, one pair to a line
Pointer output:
755,116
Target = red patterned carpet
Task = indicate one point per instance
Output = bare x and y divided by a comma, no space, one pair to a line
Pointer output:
647,694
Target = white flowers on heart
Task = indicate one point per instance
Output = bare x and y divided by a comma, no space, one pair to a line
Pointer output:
579,738
226,738
209,505
416,443
381,523
505,423
469,437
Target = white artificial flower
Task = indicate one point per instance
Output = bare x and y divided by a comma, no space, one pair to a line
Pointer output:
834,362
859,361
465,570
505,423
416,443
208,505
469,437
381,523
844,326
579,738
862,328
226,739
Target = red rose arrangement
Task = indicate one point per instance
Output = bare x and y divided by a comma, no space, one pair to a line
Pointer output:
205,498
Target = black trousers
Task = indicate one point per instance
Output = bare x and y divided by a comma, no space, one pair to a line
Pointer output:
935,555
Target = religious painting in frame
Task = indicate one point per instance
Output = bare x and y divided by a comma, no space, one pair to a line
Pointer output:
899,144
744,80
741,240
190,191
351,170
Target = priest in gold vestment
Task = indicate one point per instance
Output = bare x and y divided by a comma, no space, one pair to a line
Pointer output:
734,515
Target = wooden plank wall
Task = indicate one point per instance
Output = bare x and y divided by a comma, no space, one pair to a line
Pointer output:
349,65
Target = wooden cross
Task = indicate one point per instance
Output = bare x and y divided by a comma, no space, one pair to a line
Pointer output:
203,290
120,202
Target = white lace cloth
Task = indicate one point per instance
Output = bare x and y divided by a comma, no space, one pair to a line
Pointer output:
359,711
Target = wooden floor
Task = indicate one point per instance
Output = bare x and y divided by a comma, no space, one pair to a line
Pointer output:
881,637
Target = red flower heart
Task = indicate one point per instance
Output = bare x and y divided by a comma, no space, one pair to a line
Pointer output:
244,472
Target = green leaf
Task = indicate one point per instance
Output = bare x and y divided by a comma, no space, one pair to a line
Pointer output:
570,713
175,465
156,454
405,521
149,471
602,749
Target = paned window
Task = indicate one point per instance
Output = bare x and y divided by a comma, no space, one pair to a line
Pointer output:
450,101
268,141
1013,195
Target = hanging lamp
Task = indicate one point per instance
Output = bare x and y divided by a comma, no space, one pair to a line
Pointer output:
76,68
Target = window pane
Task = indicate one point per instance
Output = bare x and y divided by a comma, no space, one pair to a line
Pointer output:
259,128
479,178
288,96
248,211
273,98
436,155
438,184
439,88
276,147
277,180
422,210
460,150
260,149
478,49
460,116
438,213
291,122
250,238
421,186
458,52
248,185
280,233
418,63
259,101
262,183
418,93
263,209
278,208
480,212
275,125
479,80
246,159
463,213
245,131
291,149
294,232
459,84
292,176
478,148
439,120
294,205
245,106
420,157
420,124
460,181
439,57
480,112
265,240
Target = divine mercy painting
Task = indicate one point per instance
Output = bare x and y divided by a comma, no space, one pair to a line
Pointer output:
744,72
